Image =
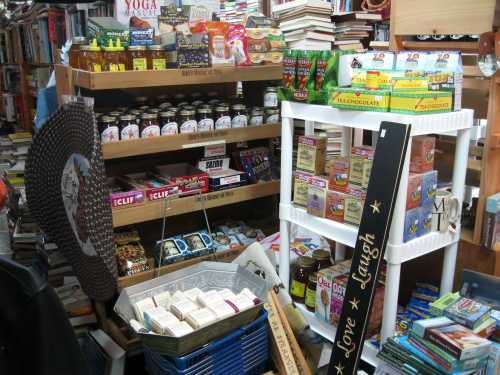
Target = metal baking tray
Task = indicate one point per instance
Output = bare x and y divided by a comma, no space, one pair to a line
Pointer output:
204,276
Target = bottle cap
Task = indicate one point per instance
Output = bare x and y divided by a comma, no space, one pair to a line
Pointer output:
93,46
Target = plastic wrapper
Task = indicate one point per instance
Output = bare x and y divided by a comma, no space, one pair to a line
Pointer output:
238,43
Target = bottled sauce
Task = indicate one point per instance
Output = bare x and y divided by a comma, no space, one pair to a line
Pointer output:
304,269
205,119
157,59
256,116
113,57
271,97
168,124
149,126
75,51
108,129
240,118
187,121
128,127
222,119
310,300
91,57
137,58
322,259
272,116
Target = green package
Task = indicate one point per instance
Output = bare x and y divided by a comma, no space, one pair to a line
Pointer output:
326,70
289,68
306,70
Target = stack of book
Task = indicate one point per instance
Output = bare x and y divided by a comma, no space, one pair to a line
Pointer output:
353,29
24,240
234,11
52,263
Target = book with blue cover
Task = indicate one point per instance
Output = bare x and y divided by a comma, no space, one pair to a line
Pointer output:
468,312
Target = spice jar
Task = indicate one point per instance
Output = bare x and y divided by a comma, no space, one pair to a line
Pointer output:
168,124
113,57
157,59
75,51
304,269
240,118
310,300
187,121
272,116
91,57
322,259
205,119
256,116
108,129
175,110
222,119
271,97
128,127
137,58
149,125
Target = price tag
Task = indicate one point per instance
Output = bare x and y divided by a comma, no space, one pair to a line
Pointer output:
215,150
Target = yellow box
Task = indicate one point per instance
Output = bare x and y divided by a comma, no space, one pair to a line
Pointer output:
406,84
421,103
384,80
359,99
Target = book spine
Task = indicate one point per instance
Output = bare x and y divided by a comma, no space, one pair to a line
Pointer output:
488,229
459,319
443,344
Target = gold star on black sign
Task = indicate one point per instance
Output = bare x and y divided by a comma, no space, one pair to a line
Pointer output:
354,303
340,369
376,206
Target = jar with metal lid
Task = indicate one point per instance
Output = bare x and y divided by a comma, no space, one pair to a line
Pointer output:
157,59
108,129
240,118
91,57
175,110
165,105
195,96
122,109
116,114
187,121
197,103
144,108
114,58
168,123
149,125
205,119
304,268
154,110
310,300
272,116
75,50
256,116
322,259
222,118
179,98
128,127
271,97
214,102
137,114
140,100
137,58
212,95
183,104
97,116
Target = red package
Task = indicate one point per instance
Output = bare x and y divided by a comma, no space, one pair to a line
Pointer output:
238,42
218,46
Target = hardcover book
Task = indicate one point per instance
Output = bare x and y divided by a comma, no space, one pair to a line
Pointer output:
468,312
420,326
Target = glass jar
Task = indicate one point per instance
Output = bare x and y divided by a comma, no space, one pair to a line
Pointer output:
211,95
149,125
256,116
114,58
310,300
122,109
187,121
214,102
137,58
195,96
179,98
271,97
140,101
205,119
137,114
322,259
128,127
157,59
144,108
165,105
304,269
75,51
222,118
108,129
168,124
91,58
240,118
272,116
182,104
197,103
154,110
175,110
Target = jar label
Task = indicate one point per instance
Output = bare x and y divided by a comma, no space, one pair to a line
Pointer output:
205,125
159,64
139,64
310,298
239,121
272,119
170,128
116,67
110,134
223,122
256,120
270,100
150,131
188,126
96,67
130,131
298,289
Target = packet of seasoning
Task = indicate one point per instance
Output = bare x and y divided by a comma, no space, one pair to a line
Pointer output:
306,69
326,76
289,68
321,63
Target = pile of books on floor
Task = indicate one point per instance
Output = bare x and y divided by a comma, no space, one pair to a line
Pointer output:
460,341
25,237
51,263
352,29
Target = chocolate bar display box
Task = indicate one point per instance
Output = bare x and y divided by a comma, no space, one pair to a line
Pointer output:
123,195
226,179
189,179
155,187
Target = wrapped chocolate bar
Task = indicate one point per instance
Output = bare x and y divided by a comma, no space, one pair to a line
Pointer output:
199,243
131,259
174,249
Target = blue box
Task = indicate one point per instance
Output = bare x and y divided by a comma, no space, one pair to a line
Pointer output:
424,221
141,37
429,186
412,218
493,203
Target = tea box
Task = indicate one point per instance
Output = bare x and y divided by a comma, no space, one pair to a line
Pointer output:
316,202
359,99
404,84
301,188
361,165
424,221
421,103
339,285
324,285
422,154
412,218
339,174
429,187
414,192
311,154
353,209
335,203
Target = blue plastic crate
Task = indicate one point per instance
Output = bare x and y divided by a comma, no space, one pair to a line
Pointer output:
240,352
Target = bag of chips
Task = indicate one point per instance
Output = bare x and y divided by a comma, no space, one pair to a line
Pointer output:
289,68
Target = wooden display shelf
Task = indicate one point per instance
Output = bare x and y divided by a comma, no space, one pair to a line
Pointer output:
174,77
433,45
154,145
179,206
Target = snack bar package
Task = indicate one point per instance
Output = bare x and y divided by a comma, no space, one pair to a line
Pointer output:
238,43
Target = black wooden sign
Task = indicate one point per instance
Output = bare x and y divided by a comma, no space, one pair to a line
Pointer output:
370,247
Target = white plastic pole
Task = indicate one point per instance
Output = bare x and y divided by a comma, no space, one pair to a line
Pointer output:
309,128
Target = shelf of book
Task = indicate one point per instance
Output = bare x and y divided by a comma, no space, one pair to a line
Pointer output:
179,206
147,146
433,45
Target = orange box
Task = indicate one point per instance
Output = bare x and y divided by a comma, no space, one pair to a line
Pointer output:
335,204
422,154
339,174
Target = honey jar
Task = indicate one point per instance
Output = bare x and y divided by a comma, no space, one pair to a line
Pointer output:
137,58
149,125
157,59
91,57
114,58
300,278
75,51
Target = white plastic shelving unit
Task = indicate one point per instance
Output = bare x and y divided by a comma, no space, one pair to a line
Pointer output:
456,123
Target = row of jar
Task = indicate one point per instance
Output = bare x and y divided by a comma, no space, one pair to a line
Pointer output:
117,126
